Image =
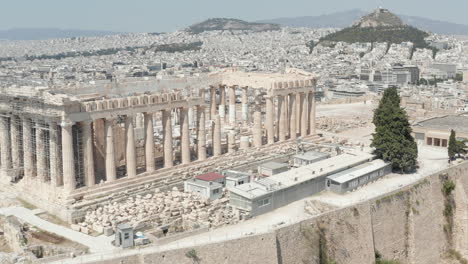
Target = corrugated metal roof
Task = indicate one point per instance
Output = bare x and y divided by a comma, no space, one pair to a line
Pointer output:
458,123
358,171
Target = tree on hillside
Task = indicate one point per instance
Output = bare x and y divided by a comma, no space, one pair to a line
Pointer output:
392,139
462,147
456,147
459,77
452,145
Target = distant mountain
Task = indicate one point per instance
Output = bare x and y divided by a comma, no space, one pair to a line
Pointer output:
335,20
49,33
379,26
230,24
346,18
436,26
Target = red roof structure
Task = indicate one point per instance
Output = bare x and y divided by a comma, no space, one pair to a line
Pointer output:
212,176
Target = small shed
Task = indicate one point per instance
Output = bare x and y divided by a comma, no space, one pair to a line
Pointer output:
124,236
210,190
271,168
309,157
234,178
212,177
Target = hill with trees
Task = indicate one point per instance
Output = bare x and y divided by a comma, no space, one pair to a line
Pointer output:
343,19
230,24
380,26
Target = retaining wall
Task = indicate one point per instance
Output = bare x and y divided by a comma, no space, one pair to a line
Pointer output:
407,225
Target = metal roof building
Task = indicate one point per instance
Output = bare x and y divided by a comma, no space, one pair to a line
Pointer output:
309,157
352,178
267,194
436,131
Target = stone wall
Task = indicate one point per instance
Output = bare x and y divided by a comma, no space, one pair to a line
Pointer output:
408,225
13,233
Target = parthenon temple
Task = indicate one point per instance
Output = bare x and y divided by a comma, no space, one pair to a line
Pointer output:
58,143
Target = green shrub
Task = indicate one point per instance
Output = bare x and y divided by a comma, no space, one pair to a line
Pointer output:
448,187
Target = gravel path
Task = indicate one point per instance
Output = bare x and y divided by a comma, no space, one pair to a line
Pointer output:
95,244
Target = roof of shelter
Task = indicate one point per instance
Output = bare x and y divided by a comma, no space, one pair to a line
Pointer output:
299,175
212,176
459,123
358,171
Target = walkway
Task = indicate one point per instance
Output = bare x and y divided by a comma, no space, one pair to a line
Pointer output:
95,244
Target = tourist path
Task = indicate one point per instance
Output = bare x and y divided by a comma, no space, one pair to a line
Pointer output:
95,244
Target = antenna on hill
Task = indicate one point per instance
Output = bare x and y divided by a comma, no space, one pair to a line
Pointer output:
379,4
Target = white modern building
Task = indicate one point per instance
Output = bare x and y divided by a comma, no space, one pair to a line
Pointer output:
309,157
210,190
266,194
355,177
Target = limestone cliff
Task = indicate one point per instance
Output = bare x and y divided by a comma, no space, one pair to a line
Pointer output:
418,224
379,18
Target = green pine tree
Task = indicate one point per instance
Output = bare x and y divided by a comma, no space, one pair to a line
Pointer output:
461,147
452,145
392,139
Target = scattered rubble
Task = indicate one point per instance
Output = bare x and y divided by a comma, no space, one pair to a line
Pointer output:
179,210
335,125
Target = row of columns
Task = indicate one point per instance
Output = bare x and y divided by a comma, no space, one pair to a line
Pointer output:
296,113
291,113
43,163
31,148
221,109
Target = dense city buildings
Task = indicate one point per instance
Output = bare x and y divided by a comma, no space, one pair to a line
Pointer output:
232,137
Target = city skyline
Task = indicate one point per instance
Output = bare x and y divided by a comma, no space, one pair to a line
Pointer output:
145,16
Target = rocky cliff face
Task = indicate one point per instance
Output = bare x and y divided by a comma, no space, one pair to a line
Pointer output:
379,18
421,223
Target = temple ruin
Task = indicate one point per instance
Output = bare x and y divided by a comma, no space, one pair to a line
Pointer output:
59,145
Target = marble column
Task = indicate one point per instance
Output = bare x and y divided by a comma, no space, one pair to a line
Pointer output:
139,120
232,105
217,136
41,160
282,118
190,116
257,129
244,142
298,113
111,173
277,117
231,142
5,144
292,116
304,125
184,136
270,120
130,152
28,162
245,104
55,173
213,110
167,131
68,161
201,137
312,106
88,153
149,143
286,114
222,104
15,142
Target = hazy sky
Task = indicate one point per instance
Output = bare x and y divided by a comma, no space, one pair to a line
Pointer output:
170,15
